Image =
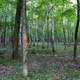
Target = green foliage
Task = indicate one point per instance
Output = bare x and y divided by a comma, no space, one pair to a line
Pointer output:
69,14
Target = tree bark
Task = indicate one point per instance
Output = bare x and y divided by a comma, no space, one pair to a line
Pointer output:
15,37
64,31
76,31
52,28
24,40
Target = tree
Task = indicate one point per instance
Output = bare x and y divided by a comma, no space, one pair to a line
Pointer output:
15,36
52,28
76,31
24,39
64,31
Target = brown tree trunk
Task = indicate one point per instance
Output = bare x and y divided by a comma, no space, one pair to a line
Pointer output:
15,37
24,39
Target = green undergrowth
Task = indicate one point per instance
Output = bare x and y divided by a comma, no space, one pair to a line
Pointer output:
44,67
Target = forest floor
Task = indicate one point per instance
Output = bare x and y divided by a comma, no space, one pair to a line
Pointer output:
43,67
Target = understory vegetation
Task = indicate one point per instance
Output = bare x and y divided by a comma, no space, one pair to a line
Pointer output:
43,66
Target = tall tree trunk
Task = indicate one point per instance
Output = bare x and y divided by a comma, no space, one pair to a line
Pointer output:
24,40
4,31
64,31
76,31
15,37
52,28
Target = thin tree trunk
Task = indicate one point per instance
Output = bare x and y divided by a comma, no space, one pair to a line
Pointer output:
52,28
64,31
76,31
4,31
24,40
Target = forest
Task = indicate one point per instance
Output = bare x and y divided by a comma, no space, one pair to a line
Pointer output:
39,40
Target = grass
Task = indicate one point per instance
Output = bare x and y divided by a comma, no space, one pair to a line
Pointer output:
58,66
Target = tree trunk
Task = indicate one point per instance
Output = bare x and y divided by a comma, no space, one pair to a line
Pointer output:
15,37
76,31
24,40
52,28
64,31
4,31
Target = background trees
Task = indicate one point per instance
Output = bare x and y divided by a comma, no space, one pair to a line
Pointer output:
42,16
